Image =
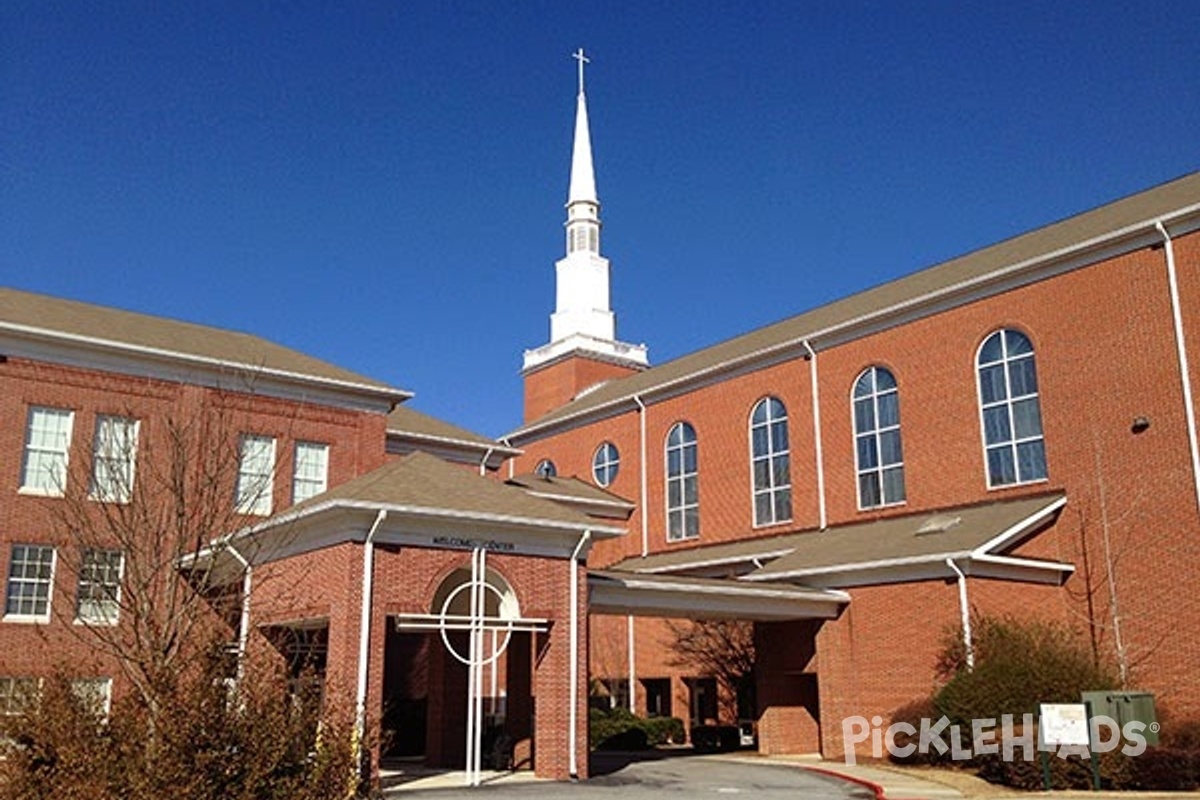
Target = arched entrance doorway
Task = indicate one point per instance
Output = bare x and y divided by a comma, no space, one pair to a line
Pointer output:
458,679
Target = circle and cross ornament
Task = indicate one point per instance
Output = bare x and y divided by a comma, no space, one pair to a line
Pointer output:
484,623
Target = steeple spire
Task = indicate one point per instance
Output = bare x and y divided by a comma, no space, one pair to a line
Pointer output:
582,321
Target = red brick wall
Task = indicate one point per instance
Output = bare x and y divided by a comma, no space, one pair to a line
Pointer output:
553,385
1106,354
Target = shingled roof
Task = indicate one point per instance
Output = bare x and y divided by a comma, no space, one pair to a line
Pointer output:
45,318
1125,220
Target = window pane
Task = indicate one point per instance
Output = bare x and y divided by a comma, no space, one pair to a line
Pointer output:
762,509
1022,377
780,471
884,380
761,475
1017,343
865,385
889,410
991,384
779,435
674,494
893,485
991,350
1001,469
1027,418
783,505
689,459
691,495
889,447
691,518
864,415
868,490
1031,459
674,524
759,416
758,441
996,428
868,457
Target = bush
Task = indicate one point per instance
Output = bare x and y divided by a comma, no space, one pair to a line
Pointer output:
716,738
207,744
618,729
1018,665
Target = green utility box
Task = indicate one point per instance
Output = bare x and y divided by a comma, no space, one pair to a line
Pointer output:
1126,707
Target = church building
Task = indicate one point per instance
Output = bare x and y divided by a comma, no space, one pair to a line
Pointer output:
1010,432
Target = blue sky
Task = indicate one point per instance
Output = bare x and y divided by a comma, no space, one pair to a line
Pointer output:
381,184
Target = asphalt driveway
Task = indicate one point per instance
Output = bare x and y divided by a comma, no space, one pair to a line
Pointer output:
644,778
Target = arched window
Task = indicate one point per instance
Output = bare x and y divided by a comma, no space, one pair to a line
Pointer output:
878,458
545,469
605,464
1009,409
683,495
769,462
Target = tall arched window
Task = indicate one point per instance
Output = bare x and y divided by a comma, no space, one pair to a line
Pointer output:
1009,409
878,456
769,462
683,495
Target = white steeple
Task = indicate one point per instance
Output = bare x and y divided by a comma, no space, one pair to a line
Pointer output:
582,320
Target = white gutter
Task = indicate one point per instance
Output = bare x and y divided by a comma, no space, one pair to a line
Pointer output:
1181,352
573,679
364,628
642,479
244,619
862,319
816,416
964,608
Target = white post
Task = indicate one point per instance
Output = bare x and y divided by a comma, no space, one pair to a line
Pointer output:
573,670
632,665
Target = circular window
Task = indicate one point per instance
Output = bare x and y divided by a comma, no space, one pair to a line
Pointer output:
605,464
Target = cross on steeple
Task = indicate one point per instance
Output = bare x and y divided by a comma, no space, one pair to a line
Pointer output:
582,59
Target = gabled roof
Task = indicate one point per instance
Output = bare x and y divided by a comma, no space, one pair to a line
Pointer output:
575,492
913,547
422,483
409,429
44,319
1127,222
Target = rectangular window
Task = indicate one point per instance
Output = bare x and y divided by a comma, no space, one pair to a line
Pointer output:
95,694
30,576
114,455
47,438
16,694
99,587
256,475
312,470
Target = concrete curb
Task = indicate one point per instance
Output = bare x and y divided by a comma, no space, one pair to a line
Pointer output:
878,789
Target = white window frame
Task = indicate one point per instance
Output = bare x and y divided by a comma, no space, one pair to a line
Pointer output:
114,452
310,471
606,463
773,452
682,479
1013,442
48,583
876,433
38,453
256,474
100,610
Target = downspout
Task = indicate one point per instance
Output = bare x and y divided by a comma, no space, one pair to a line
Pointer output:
1181,352
573,679
816,416
630,630
244,620
511,467
642,460
364,628
964,608
483,462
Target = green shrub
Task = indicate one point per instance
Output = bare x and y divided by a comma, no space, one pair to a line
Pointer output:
618,729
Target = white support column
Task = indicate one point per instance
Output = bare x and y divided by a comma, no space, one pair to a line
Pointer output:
632,665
